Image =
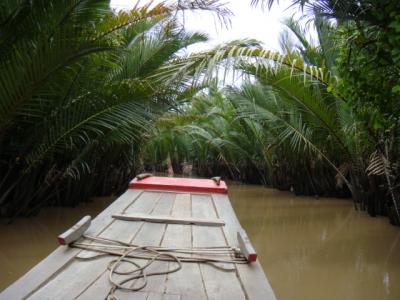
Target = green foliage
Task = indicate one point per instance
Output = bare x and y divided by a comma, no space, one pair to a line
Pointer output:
79,94
256,133
88,94
369,67
334,104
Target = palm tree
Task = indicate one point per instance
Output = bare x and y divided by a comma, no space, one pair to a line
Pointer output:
300,109
368,64
206,134
78,91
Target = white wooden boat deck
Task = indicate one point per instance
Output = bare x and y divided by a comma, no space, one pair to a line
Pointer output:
64,276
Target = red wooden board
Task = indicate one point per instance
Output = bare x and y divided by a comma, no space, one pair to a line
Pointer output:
179,184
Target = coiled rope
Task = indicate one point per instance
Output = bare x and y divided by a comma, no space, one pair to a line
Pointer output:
128,251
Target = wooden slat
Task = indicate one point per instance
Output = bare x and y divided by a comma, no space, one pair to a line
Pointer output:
127,295
152,235
75,232
179,184
219,284
169,220
171,297
61,277
44,270
246,247
252,276
188,281
99,287
78,275
145,203
154,296
149,234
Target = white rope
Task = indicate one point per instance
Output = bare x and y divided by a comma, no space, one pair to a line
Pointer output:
128,251
136,273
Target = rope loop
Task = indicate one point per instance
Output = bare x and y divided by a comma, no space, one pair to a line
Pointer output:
135,277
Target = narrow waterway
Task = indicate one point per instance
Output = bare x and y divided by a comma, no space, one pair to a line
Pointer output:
309,248
320,248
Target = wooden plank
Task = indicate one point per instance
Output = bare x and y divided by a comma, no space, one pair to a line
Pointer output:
101,286
171,297
152,235
187,282
219,284
78,275
246,247
252,277
154,296
159,296
75,232
88,280
44,270
148,234
180,184
128,295
169,220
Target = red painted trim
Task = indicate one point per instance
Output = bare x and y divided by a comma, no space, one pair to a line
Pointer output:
179,184
252,258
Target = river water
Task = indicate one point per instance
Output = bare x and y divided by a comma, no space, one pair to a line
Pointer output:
309,248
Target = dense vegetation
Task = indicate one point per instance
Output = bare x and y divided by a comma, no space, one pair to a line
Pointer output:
321,119
89,95
79,86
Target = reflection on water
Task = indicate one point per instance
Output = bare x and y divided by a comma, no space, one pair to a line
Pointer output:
319,248
309,248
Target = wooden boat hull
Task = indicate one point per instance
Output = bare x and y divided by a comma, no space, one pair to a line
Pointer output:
64,275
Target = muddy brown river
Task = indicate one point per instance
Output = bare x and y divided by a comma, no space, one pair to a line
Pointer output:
309,248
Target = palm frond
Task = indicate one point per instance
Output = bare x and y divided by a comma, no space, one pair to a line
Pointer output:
206,64
378,165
